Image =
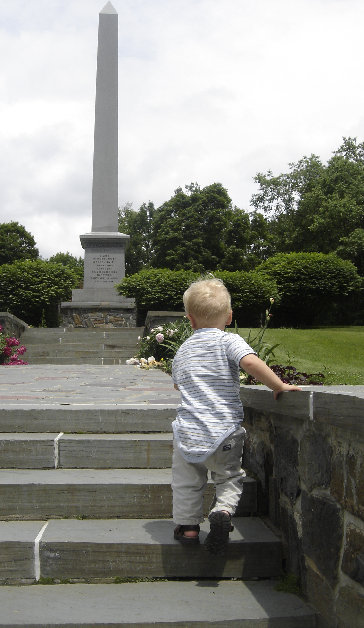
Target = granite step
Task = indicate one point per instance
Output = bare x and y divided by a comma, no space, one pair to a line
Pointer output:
97,493
82,451
87,418
197,604
40,335
131,548
71,359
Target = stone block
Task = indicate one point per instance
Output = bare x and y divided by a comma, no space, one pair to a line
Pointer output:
17,550
115,451
146,548
315,460
295,560
353,557
286,463
350,608
322,532
337,483
321,596
27,451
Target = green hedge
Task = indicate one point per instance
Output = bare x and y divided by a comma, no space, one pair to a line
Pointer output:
31,290
315,289
162,289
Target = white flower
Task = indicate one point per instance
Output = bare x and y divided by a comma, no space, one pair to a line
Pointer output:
148,337
151,359
143,361
159,337
159,328
139,337
132,361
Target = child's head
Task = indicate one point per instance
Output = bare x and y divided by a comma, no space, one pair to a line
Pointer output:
208,302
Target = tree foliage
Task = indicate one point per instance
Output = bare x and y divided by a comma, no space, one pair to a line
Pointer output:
32,290
138,225
16,243
197,229
314,206
76,264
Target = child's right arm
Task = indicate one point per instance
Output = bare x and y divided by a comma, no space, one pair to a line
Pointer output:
258,369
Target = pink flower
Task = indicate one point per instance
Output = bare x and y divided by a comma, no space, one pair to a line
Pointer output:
159,337
1,328
12,342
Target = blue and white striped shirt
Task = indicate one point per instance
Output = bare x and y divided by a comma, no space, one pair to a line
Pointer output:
206,371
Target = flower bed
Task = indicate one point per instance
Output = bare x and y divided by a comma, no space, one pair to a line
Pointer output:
10,350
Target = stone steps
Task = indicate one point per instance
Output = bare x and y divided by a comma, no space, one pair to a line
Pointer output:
86,521
80,346
96,493
95,550
195,604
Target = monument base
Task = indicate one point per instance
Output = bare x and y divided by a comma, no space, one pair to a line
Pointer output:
102,315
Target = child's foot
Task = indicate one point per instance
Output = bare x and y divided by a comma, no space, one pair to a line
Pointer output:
220,526
187,534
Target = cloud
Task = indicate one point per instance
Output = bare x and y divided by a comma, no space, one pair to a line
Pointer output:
208,91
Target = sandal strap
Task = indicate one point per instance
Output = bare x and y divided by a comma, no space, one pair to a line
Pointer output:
194,528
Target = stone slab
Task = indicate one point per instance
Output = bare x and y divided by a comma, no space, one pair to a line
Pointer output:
295,404
146,548
113,451
85,417
127,493
37,385
17,550
27,451
222,604
344,409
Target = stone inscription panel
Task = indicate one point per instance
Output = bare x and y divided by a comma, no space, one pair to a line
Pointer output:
103,269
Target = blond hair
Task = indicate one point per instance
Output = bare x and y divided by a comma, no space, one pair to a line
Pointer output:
207,300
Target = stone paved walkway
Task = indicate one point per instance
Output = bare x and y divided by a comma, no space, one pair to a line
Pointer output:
84,385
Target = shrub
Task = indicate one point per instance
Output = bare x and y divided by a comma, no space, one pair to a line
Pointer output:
162,289
314,288
32,290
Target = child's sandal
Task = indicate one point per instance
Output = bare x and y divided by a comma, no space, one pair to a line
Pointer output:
179,534
220,526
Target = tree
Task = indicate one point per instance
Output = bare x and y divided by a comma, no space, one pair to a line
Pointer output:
352,248
16,243
72,262
138,225
197,229
313,206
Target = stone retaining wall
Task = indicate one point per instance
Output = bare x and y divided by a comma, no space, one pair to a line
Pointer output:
98,316
307,451
12,326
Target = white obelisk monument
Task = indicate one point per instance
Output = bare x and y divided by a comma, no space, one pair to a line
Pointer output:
104,246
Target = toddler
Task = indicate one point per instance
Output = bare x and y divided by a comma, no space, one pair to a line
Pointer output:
208,432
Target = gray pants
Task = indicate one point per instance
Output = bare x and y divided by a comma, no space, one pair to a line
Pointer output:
189,480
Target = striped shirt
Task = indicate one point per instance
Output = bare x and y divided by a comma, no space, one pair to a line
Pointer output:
206,371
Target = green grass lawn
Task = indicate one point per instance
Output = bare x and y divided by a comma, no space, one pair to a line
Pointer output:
337,352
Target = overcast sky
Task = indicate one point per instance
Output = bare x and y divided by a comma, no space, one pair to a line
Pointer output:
209,91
